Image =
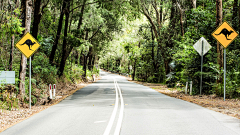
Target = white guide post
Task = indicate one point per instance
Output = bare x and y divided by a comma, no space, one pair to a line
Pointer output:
191,88
186,87
54,90
50,91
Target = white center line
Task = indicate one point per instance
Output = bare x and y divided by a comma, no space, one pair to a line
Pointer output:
120,118
110,123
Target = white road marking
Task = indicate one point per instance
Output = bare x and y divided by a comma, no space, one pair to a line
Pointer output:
110,123
120,118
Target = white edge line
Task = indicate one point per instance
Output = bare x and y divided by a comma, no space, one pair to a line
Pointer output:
120,119
110,123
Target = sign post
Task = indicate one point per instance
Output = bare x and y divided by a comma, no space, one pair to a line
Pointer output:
202,47
30,83
28,45
201,69
225,35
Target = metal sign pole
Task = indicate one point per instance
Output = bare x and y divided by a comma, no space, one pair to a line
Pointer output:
201,70
225,69
30,83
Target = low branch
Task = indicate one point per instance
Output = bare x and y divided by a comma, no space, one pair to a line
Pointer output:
44,6
95,33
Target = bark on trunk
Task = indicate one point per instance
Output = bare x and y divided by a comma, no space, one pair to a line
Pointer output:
65,52
235,13
194,3
85,59
157,37
239,18
26,7
84,66
76,57
134,70
81,58
181,22
90,58
37,18
54,48
93,61
219,47
11,53
155,64
181,18
81,15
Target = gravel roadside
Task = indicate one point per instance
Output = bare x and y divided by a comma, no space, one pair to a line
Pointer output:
10,118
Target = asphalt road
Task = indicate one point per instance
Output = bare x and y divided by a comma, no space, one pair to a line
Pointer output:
94,110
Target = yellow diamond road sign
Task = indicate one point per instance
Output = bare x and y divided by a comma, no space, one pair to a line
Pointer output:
225,34
28,45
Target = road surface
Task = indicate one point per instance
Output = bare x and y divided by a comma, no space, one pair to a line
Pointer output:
138,110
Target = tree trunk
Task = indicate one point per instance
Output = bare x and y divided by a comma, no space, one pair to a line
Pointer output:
134,69
93,61
90,58
54,48
181,22
235,15
81,15
26,7
81,58
155,63
157,37
76,56
194,3
84,65
11,53
65,52
235,23
37,18
161,12
12,40
219,47
85,58
181,18
239,18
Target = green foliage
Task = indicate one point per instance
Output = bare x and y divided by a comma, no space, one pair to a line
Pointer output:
73,74
46,44
43,71
11,23
8,99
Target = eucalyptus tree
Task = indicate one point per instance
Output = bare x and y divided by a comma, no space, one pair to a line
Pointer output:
219,17
26,8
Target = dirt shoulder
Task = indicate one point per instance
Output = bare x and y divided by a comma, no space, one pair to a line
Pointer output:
230,107
10,118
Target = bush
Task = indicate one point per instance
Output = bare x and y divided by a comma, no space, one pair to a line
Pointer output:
8,98
43,70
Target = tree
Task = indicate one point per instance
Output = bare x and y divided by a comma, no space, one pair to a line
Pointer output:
65,51
219,46
54,47
26,7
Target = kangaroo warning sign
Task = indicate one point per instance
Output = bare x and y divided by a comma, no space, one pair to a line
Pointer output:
225,34
28,45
